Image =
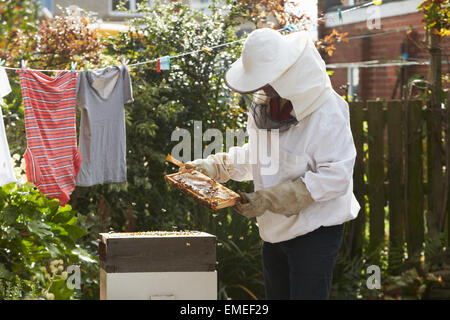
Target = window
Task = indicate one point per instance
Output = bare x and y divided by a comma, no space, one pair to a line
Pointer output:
351,2
200,4
47,4
131,5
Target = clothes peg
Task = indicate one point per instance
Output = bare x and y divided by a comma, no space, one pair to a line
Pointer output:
158,65
73,66
24,64
339,11
289,28
377,2
125,61
206,49
86,66
2,62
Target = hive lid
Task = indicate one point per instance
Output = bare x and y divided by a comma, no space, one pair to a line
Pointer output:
157,251
153,234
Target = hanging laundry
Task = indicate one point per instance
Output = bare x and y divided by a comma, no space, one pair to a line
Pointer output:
101,96
340,15
158,65
6,168
52,159
164,63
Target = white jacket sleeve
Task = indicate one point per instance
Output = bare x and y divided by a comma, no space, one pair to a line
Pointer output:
333,152
233,165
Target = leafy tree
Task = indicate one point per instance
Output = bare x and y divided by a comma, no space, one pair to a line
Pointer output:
436,16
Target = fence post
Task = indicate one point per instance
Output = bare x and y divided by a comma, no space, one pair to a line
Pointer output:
414,188
376,174
395,176
357,225
434,167
447,137
436,189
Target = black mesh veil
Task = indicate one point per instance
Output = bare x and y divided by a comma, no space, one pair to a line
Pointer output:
260,111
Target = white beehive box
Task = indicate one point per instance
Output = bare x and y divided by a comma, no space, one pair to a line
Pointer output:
158,265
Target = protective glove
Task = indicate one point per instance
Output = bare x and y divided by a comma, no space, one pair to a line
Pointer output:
205,166
216,166
287,198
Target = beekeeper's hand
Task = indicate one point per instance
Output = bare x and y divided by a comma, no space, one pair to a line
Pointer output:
217,166
287,198
205,166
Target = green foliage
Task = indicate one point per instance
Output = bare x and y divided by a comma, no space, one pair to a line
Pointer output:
402,277
33,231
239,260
349,277
436,15
410,285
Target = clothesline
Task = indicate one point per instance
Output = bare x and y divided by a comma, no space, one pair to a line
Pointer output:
378,64
371,35
288,28
187,53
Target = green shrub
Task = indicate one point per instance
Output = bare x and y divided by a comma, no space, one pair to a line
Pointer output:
38,240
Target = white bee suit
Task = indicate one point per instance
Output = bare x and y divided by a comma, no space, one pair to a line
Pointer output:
319,150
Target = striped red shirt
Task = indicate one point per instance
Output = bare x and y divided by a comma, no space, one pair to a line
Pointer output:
52,159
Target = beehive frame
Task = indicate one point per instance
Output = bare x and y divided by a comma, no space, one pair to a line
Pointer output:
212,203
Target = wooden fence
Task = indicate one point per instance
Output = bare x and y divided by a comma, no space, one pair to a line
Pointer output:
400,177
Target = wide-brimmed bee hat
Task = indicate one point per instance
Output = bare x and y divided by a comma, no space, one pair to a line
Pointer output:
266,55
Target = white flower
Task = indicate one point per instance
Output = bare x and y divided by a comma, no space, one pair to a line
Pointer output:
50,296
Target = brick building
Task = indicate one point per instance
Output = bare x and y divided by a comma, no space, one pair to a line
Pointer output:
386,44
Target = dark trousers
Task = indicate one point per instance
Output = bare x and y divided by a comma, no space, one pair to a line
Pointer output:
302,268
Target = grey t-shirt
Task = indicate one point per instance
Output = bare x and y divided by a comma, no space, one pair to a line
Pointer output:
101,95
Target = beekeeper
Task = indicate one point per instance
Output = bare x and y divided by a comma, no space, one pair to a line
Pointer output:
301,206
